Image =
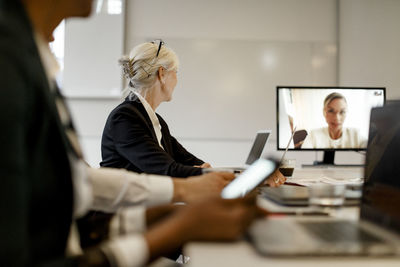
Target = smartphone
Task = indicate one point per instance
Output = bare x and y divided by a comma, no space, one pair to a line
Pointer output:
249,179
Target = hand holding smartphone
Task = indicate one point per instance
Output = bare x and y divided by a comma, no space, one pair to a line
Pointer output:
249,179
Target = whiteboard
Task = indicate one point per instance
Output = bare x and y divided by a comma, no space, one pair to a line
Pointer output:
226,88
92,49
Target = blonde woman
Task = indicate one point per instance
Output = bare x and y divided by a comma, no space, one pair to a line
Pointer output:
335,135
135,137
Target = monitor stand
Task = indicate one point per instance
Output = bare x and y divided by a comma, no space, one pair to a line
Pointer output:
328,161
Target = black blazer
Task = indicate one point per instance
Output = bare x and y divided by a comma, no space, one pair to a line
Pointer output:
129,142
36,187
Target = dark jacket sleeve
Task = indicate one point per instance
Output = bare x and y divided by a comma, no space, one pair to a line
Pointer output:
18,189
132,139
181,155
14,190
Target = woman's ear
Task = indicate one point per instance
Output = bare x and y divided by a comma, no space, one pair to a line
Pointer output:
161,74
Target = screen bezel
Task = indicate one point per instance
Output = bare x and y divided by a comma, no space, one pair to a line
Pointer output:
319,87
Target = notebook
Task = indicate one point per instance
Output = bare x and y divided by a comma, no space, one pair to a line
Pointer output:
290,195
377,232
256,150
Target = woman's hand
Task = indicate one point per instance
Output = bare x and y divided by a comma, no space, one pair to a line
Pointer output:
204,165
275,179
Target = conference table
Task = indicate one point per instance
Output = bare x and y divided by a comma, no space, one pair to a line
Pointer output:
242,253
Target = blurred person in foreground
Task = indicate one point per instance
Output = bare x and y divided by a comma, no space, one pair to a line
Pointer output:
45,184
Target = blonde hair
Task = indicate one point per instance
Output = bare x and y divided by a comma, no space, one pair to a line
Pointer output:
141,66
332,96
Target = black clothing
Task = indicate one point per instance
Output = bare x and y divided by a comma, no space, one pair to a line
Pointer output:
36,192
129,142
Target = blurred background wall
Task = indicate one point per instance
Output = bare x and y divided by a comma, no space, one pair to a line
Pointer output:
233,54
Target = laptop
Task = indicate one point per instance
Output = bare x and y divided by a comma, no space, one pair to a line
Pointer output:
256,150
376,233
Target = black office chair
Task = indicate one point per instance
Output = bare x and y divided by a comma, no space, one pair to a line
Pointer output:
299,137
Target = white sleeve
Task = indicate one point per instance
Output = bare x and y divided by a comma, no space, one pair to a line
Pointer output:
116,188
129,251
307,141
362,140
128,221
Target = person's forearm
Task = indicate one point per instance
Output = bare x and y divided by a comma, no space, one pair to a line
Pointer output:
168,236
156,214
93,257
180,190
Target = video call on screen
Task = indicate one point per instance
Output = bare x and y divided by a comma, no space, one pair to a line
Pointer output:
325,118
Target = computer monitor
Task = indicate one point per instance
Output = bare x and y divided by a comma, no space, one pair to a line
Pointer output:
325,119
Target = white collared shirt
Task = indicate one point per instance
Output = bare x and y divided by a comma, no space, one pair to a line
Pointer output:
319,138
109,190
153,117
82,189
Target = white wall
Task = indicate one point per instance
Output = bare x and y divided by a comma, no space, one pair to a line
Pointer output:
233,54
369,53
91,52
92,78
288,20
368,56
90,115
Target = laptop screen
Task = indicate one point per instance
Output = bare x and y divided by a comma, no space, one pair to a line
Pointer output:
381,192
258,146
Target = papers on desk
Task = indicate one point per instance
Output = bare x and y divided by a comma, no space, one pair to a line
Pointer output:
307,177
326,180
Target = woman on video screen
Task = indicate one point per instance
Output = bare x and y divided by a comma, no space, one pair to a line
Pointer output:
335,135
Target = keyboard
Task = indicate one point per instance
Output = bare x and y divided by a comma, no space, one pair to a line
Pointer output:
339,232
